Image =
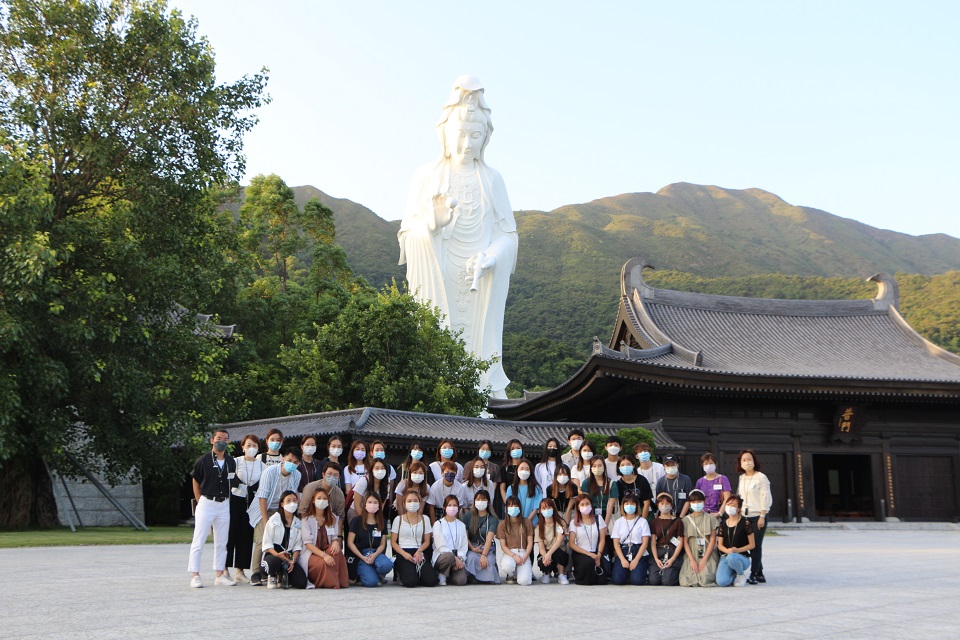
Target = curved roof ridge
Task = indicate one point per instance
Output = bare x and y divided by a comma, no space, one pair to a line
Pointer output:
938,352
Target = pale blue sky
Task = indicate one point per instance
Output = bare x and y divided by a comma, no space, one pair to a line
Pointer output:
850,107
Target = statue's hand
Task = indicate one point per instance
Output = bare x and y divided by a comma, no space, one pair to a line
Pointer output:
478,265
443,206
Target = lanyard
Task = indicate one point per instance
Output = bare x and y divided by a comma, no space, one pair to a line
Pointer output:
730,536
586,534
636,521
454,536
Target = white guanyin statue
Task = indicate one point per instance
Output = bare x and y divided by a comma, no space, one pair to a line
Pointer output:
458,236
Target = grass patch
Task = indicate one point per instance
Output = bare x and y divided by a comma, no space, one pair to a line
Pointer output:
63,537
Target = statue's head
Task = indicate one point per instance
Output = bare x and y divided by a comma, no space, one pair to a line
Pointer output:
465,126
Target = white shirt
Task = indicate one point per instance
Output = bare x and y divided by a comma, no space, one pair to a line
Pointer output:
653,474
402,486
588,535
470,491
631,531
544,474
273,534
612,469
410,536
439,492
249,473
437,469
449,536
755,491
351,478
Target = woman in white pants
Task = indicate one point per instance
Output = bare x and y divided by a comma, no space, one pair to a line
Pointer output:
516,541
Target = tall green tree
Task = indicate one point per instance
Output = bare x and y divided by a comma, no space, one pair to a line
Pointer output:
116,135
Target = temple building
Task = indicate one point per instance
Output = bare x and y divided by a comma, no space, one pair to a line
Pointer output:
851,412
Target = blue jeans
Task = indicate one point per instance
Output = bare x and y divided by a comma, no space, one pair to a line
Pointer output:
731,565
370,574
635,577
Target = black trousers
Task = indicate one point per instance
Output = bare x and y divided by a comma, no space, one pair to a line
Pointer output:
585,570
240,537
298,578
669,577
560,558
756,555
410,577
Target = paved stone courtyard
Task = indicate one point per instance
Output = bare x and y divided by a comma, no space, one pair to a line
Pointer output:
844,584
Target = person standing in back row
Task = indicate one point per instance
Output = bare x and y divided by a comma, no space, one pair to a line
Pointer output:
212,475
676,484
754,488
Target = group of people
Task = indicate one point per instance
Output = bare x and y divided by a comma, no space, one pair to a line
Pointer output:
294,519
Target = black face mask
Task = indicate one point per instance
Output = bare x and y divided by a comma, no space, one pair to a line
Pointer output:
221,445
552,453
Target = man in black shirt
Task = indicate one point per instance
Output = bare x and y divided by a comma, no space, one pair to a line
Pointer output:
212,475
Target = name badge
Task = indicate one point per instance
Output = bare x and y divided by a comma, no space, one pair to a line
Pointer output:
718,487
681,496
231,476
376,533
702,542
675,541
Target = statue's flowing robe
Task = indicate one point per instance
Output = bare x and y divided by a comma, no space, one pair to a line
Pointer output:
436,258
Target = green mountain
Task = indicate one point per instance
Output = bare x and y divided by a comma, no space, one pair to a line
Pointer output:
566,285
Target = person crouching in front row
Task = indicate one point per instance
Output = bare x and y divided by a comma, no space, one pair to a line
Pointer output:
282,544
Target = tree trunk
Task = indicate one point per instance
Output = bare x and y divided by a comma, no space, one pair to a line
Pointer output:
27,499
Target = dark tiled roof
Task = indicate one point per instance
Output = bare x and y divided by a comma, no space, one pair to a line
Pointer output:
371,422
837,339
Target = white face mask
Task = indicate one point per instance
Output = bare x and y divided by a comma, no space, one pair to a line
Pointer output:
481,505
309,451
613,450
587,455
413,507
576,444
562,480
731,510
523,475
335,452
379,474
290,507
478,472
321,504
672,471
416,478
251,452
746,465
666,508
709,468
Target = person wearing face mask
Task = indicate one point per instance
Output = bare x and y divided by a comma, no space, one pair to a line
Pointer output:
581,470
587,539
602,491
450,545
481,525
415,455
508,471
367,542
411,545
630,484
447,485
735,539
678,485
275,480
547,467
212,475
446,452
666,535
476,478
631,542
550,536
525,489
575,440
274,441
651,471
374,482
699,568
563,492
322,559
516,544
715,487
754,487
245,485
612,461
416,480
355,468
282,544
310,466
329,482
485,453
334,451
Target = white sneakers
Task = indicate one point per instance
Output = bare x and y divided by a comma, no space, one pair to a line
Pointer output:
223,580
240,576
272,583
740,580
195,582
545,579
443,580
562,579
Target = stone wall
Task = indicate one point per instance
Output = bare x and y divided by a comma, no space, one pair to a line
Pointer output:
95,510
